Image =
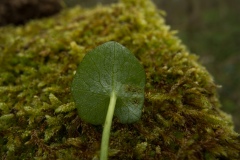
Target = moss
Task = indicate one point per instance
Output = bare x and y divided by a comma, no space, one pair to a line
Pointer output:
181,117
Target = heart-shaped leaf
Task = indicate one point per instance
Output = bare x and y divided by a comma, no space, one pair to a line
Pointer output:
109,68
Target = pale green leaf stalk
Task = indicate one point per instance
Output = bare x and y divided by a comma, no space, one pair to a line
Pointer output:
107,126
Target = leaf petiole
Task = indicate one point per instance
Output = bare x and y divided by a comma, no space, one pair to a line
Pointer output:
107,127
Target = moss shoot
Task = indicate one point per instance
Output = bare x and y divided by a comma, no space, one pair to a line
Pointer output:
38,120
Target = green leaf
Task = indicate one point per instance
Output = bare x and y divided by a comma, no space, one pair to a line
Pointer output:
109,68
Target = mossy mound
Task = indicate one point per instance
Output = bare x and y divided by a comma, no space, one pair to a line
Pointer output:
181,117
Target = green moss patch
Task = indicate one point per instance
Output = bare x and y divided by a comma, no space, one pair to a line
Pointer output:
181,116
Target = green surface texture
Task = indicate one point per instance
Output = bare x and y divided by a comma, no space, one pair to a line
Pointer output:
109,68
181,117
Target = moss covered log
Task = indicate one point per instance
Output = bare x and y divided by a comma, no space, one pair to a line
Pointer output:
38,120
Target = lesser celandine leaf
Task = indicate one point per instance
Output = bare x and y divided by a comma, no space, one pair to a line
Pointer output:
109,68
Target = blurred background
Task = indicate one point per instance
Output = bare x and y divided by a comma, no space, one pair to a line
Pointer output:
210,29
